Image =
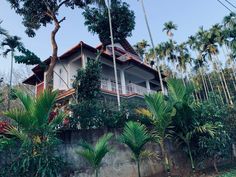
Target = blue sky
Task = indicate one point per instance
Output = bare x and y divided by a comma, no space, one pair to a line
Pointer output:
189,15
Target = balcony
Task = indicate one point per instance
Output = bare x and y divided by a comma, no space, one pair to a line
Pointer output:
130,88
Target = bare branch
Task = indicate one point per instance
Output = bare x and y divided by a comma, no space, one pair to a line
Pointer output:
63,2
64,18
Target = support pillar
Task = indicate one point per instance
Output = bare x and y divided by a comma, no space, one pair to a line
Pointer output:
123,83
148,86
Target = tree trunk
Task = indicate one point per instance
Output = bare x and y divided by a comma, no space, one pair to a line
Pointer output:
221,81
155,54
53,58
204,85
10,84
165,158
138,165
224,82
96,172
191,157
220,94
215,164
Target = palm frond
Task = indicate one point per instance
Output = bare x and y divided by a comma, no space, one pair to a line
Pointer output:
43,106
135,136
26,100
22,118
95,154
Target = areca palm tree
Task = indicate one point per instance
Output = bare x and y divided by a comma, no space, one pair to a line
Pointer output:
36,132
211,42
183,58
141,47
186,126
12,43
135,136
199,62
160,113
169,27
209,48
95,154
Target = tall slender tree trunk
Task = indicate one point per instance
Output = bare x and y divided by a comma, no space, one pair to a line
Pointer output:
219,75
138,166
165,158
96,172
224,82
220,94
207,88
191,157
204,84
232,78
113,56
153,47
10,84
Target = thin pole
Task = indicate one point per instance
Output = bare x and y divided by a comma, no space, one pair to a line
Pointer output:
113,55
155,53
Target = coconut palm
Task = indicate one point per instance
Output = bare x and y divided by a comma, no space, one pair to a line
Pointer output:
95,154
169,27
135,136
160,113
12,43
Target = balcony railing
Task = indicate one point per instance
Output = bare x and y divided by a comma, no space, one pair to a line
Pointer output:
130,88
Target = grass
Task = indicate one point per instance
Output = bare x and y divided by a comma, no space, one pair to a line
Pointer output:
231,173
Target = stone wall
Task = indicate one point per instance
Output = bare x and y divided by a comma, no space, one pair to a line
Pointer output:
118,163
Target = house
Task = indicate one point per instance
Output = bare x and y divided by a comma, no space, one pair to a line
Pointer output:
135,78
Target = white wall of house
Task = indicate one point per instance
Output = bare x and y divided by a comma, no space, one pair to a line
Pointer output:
129,76
60,76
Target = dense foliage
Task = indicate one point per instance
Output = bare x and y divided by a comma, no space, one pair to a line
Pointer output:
123,21
35,136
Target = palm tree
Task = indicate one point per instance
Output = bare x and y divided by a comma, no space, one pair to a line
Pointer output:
33,120
160,113
169,27
183,58
36,131
135,136
209,48
12,42
212,49
199,62
186,126
186,136
153,48
141,47
95,154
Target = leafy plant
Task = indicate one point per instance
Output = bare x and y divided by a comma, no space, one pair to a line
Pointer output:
123,21
136,136
95,154
160,113
36,136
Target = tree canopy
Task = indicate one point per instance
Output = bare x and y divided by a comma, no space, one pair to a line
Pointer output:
123,21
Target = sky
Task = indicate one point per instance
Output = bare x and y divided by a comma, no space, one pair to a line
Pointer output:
189,15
